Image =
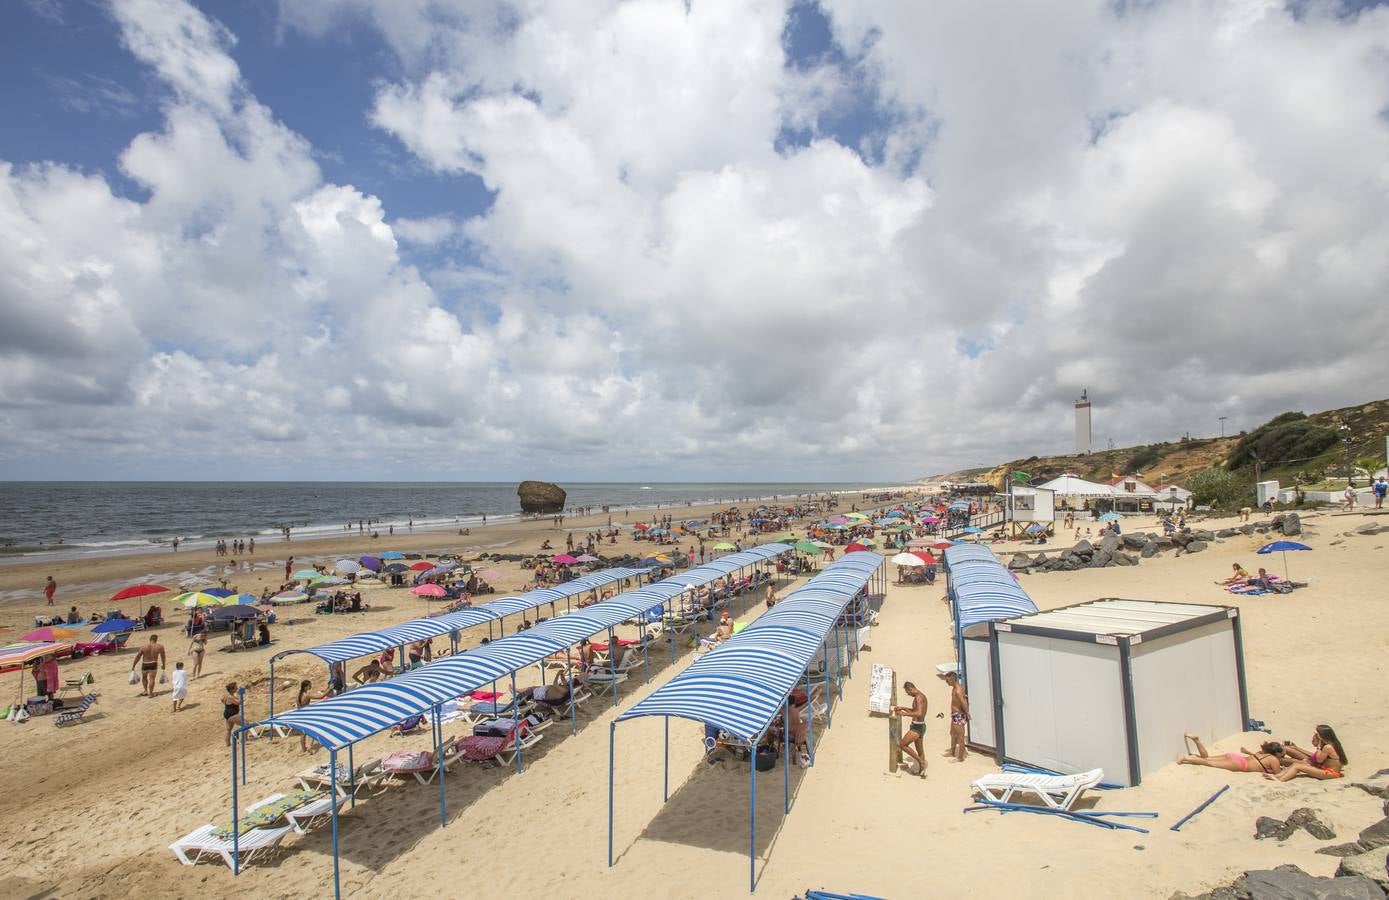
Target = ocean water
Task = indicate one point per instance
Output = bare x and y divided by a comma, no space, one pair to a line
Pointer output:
41,518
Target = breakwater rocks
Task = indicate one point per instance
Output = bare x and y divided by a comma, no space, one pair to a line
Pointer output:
1130,549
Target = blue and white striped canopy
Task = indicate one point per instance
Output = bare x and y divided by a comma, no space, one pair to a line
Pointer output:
362,712
741,686
436,626
981,589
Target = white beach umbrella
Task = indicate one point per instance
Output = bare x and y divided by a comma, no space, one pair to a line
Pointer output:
907,559
347,566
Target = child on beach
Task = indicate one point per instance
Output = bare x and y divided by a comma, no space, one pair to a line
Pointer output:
180,682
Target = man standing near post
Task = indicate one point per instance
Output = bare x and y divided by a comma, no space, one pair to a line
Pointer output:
911,742
959,713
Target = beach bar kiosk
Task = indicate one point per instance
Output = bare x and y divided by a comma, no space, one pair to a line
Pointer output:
1111,684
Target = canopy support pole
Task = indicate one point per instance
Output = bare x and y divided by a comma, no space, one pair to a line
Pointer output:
351,777
670,632
272,693
665,774
612,661
439,760
241,696
752,816
810,719
786,756
573,707
333,793
515,721
236,815
612,732
829,715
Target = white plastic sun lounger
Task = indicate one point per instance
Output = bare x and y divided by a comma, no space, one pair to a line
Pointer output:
368,775
306,816
1056,791
250,844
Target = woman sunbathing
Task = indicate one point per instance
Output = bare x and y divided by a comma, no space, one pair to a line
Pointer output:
1239,576
1324,762
1268,760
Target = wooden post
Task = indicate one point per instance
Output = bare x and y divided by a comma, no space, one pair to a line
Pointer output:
894,732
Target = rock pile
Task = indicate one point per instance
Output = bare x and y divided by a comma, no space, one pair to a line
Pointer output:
1304,818
1288,882
1128,549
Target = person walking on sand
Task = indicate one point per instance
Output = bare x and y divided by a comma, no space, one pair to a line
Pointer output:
289,567
196,649
959,716
231,709
912,742
180,683
150,659
49,588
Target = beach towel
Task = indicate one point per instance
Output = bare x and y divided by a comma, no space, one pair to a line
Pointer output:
408,761
478,748
266,814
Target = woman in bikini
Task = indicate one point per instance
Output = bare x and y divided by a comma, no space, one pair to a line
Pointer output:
196,649
1323,762
231,709
307,696
1269,759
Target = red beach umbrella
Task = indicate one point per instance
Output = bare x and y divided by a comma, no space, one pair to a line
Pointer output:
927,558
421,567
941,545
139,590
854,548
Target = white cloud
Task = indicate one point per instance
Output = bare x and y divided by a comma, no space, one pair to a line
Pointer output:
1181,209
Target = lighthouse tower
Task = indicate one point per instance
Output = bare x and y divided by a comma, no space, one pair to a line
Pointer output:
1083,438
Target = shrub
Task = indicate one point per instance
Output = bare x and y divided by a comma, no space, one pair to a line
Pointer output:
1219,488
1284,439
1142,458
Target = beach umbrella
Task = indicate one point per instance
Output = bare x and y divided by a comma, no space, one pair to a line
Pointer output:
973,529
835,526
927,558
347,567
114,626
941,545
243,599
235,611
194,581
219,592
906,559
587,558
50,633
370,562
930,520
139,590
305,574
289,597
641,526
867,542
563,559
854,515
1282,547
807,547
892,514
920,542
723,545
396,568
392,554
194,599
1110,517
838,520
854,548
428,590
327,581
422,567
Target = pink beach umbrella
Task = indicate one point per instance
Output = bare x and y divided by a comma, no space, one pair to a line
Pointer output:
428,590
563,559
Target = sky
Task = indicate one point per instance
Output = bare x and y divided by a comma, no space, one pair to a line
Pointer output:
845,240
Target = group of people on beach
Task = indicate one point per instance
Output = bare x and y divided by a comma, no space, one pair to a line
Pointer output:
913,741
1277,760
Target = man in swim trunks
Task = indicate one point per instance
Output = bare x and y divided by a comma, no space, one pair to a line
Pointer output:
959,716
150,659
911,742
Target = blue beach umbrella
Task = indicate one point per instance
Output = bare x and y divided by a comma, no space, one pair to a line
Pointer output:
370,562
1110,517
114,625
243,599
392,554
218,592
973,529
1282,547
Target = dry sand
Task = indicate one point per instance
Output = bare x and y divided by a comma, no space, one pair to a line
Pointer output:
90,810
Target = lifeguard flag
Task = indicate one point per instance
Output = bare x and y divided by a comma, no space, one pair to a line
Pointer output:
1022,477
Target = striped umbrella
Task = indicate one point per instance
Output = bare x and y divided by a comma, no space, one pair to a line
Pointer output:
194,599
50,634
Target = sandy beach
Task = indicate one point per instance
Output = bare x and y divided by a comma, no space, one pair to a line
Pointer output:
93,807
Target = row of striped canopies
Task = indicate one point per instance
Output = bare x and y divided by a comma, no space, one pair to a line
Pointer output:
742,686
981,589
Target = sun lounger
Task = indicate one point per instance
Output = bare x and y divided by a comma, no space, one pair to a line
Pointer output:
250,844
422,765
477,748
368,775
302,818
491,709
1056,791
69,716
606,677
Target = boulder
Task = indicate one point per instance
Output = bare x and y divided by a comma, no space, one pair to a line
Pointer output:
1309,821
1372,838
1367,865
1019,561
1227,532
1267,827
1205,536
1149,550
1124,559
1109,543
541,497
1368,528
1101,558
1181,538
1135,541
1040,560
1291,883
1084,548
1247,529
1291,525
1164,542
1196,546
